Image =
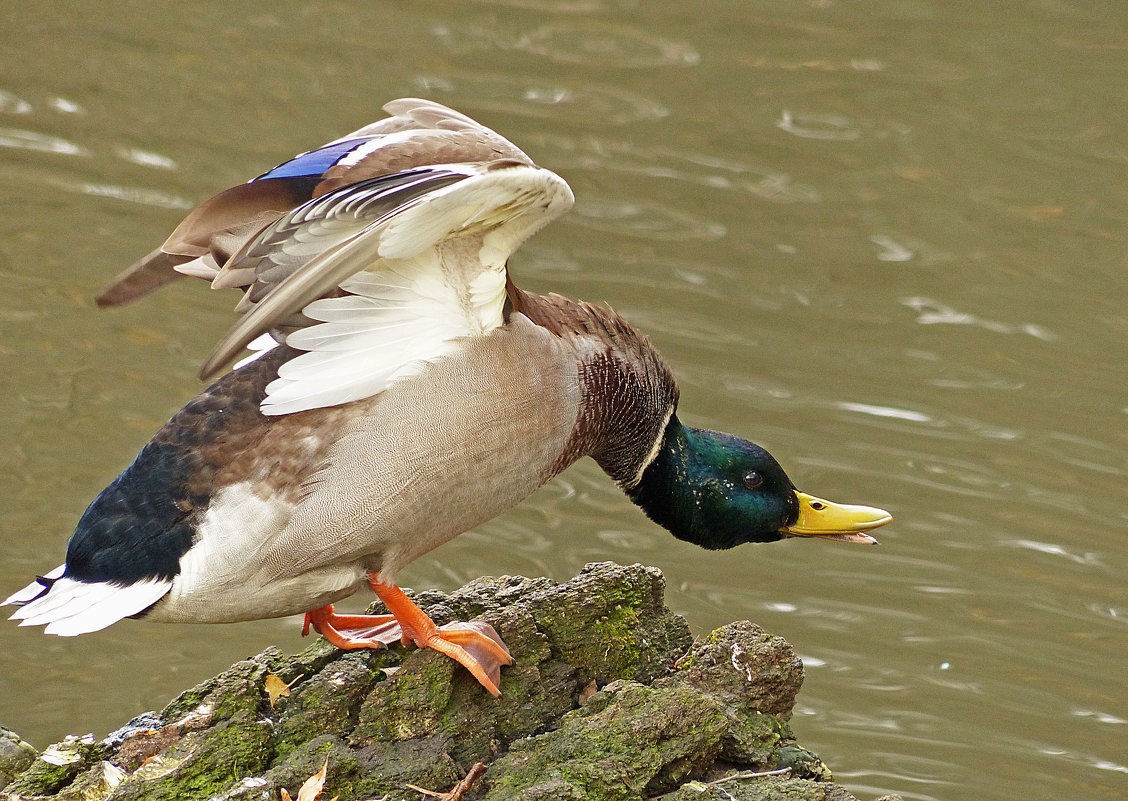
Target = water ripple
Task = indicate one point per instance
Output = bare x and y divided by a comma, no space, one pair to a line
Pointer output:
1057,550
595,44
650,220
884,411
65,106
1099,717
827,127
891,250
10,104
1092,761
130,194
43,143
529,97
549,6
962,376
145,158
933,312
1097,456
628,540
699,169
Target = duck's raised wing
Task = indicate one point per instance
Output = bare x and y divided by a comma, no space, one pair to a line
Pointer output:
418,133
387,274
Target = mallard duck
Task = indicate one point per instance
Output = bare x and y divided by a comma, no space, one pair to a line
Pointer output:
403,390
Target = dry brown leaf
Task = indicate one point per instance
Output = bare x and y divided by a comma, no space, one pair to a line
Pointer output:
459,790
312,787
277,688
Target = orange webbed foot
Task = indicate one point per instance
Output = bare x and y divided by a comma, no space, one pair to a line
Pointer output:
353,631
474,645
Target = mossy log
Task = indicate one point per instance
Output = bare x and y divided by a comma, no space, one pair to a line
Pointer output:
609,697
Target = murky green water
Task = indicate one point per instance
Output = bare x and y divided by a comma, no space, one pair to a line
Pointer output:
884,239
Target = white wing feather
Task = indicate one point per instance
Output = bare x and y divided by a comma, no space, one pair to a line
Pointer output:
259,346
423,276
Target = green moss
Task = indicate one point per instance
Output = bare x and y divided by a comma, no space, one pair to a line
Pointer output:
534,696
597,626
237,690
614,637
16,756
735,787
423,762
803,763
664,729
630,739
43,779
341,778
202,764
188,701
748,668
46,778
410,703
325,703
754,738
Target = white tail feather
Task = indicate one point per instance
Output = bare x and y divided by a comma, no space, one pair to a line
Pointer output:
33,590
72,607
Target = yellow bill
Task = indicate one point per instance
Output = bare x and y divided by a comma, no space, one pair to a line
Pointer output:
835,521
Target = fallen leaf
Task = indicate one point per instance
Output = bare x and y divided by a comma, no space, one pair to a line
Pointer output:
459,790
276,687
312,787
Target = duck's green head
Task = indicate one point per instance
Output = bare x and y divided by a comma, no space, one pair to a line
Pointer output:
718,491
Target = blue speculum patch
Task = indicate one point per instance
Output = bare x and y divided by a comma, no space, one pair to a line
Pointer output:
315,162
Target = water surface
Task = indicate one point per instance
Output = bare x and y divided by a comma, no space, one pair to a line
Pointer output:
885,240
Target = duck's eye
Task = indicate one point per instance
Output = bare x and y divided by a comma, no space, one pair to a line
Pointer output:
753,479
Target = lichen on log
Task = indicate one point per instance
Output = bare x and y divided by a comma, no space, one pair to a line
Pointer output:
609,698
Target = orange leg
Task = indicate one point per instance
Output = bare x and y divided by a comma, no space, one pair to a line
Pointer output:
370,631
475,646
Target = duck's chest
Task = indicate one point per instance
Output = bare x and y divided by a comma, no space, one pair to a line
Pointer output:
447,450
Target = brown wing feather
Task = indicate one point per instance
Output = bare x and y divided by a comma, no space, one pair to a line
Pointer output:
225,223
424,149
215,228
140,278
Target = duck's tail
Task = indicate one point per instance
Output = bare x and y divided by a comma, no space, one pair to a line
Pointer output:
68,607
